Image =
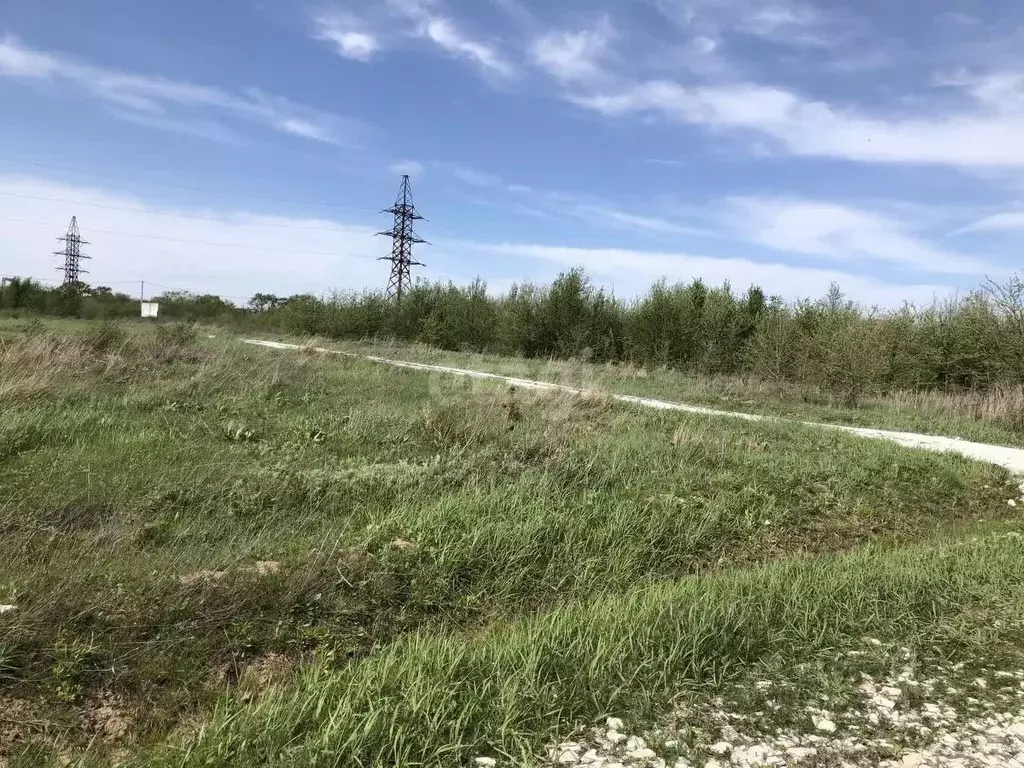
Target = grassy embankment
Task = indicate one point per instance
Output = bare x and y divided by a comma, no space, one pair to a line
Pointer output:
227,555
993,416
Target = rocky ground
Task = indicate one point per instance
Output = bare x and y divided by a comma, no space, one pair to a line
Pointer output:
942,716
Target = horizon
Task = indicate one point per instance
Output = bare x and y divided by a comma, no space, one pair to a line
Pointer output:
242,149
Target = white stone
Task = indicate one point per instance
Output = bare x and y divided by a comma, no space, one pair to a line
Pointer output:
1011,502
915,760
486,762
883,703
752,755
721,748
671,744
634,743
615,737
614,724
826,725
7,609
713,764
590,756
565,753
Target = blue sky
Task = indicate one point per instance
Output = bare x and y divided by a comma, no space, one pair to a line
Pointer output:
241,146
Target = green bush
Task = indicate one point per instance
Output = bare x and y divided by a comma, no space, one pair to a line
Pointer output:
969,344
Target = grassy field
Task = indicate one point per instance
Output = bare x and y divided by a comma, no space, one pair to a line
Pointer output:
995,416
224,555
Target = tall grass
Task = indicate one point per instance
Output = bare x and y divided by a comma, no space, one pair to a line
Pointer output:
991,415
438,700
143,476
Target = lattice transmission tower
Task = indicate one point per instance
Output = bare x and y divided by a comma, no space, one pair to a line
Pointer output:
72,253
403,237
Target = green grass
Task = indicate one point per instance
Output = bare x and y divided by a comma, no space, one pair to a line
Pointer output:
516,563
436,701
994,417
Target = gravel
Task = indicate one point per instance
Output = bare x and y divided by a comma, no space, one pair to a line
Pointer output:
949,719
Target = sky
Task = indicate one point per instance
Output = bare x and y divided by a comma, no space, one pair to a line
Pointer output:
250,146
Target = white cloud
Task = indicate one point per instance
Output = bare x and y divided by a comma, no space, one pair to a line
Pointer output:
18,61
236,253
986,134
785,22
859,238
573,56
1007,221
844,234
407,168
229,252
587,208
155,97
631,272
610,216
306,130
471,175
447,36
205,129
704,45
357,45
387,23
349,35
793,24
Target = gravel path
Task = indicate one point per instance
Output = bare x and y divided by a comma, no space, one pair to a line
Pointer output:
1011,459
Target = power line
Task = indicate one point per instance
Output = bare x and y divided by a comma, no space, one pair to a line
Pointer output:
181,215
101,283
187,188
199,242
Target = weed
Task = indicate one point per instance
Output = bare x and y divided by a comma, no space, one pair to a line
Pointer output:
105,337
177,334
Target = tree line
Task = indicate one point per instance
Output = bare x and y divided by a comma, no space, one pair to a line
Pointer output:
971,342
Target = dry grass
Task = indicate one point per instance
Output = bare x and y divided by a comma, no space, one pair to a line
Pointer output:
1002,404
31,366
995,415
